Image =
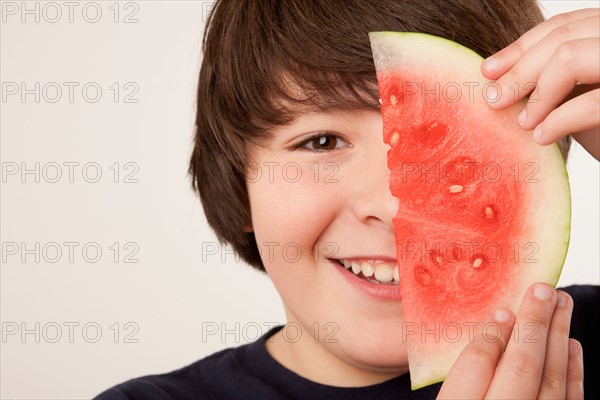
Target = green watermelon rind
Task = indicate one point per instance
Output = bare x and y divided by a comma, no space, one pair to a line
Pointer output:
567,233
470,57
430,37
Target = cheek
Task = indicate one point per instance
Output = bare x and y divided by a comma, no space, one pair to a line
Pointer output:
291,214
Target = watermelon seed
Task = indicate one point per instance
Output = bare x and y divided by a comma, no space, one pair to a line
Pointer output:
422,275
456,188
394,139
380,102
477,263
436,258
393,100
489,213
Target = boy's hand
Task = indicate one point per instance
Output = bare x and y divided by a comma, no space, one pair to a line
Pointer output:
558,63
531,359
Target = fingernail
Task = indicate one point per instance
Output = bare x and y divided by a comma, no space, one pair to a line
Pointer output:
491,64
522,116
542,292
573,348
562,299
491,93
537,133
502,315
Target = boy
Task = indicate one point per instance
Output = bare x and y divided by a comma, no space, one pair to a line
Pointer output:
293,82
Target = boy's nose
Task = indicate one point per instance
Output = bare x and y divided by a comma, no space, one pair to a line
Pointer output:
373,202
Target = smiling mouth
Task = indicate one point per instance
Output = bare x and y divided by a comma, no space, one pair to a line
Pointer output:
374,271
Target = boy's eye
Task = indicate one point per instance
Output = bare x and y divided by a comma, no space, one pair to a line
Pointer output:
322,142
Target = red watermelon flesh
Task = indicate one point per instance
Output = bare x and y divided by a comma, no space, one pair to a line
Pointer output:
484,211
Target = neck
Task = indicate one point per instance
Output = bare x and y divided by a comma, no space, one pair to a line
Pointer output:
313,361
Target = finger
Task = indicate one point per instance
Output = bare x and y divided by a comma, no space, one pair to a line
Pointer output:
474,369
556,47
576,115
575,371
554,376
496,65
519,372
589,139
574,62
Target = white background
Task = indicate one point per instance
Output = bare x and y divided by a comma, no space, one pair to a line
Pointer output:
171,292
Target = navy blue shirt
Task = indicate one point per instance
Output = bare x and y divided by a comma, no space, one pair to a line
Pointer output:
249,372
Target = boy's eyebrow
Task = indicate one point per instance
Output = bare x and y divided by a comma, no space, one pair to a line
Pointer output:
315,105
323,90
274,132
257,108
297,106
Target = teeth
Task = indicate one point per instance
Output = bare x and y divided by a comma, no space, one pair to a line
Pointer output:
367,269
355,267
383,272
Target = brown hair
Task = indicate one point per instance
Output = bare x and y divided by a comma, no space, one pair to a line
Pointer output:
254,50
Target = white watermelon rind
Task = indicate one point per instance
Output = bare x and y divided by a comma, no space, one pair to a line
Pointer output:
388,49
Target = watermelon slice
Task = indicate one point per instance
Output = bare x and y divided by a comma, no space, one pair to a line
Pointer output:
483,210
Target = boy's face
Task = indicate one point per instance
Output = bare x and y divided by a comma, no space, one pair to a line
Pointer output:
316,201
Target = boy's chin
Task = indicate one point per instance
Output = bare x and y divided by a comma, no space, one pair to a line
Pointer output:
372,347
378,356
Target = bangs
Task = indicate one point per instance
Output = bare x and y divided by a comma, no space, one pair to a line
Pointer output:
280,64
301,91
